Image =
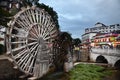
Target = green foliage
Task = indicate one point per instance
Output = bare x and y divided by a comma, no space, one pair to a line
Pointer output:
88,72
50,11
66,36
2,49
43,6
14,11
3,17
29,2
26,3
76,41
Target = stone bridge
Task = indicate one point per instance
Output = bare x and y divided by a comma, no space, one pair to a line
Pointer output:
109,56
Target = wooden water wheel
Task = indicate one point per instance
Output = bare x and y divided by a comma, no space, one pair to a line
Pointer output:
30,36
63,51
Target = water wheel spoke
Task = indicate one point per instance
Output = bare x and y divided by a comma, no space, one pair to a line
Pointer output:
29,16
20,53
48,37
21,47
42,17
29,44
30,63
21,25
19,29
33,39
23,58
24,17
19,36
36,51
37,15
36,30
46,27
20,62
47,32
39,30
33,34
24,20
24,24
33,47
26,63
18,42
33,15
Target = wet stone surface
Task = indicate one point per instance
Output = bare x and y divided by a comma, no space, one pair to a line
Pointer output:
114,76
7,72
56,76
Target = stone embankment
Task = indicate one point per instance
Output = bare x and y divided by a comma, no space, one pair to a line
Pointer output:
7,70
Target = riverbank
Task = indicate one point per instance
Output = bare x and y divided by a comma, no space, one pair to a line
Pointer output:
7,72
82,72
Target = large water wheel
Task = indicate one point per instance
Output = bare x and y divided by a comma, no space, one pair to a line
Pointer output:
63,52
30,36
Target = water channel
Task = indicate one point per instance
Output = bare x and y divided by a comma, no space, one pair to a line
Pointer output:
56,76
114,76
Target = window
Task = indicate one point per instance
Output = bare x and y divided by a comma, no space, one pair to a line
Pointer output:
112,26
118,27
3,3
118,24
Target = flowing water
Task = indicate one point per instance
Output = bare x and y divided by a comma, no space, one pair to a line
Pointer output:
114,76
56,76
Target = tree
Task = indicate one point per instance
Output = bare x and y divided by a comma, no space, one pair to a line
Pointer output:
50,11
76,41
4,17
65,36
29,2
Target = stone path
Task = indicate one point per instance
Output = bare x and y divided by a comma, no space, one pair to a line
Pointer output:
7,72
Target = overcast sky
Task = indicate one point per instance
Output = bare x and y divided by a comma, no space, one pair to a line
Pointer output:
76,15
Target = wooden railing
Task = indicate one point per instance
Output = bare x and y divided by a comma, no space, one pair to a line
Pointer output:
110,52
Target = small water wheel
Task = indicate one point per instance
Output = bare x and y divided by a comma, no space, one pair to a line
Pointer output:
30,36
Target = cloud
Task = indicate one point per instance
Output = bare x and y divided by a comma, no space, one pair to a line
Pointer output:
76,15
